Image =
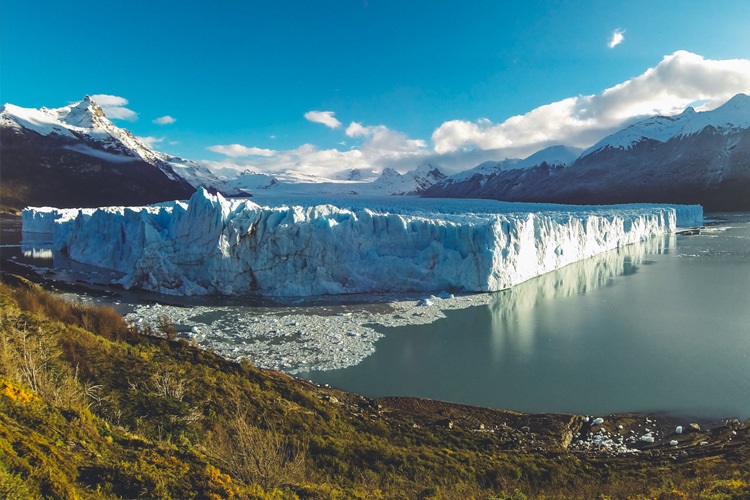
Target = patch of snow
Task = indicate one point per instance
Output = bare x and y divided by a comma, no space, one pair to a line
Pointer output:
734,114
103,155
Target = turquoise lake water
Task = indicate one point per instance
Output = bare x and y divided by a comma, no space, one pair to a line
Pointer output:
660,326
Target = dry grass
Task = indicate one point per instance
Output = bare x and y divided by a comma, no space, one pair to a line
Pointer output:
258,456
101,320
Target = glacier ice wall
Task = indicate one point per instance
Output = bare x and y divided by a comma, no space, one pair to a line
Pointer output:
210,245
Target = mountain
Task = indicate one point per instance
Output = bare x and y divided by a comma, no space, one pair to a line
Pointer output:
412,182
468,183
693,157
353,182
75,156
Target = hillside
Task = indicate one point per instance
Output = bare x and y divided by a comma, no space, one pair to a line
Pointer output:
93,408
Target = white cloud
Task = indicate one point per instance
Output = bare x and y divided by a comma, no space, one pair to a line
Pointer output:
382,142
238,150
677,81
380,147
164,120
150,141
114,107
324,117
618,36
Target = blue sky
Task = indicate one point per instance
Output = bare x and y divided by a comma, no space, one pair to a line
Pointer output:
246,73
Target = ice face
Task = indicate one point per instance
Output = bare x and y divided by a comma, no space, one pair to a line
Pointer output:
210,245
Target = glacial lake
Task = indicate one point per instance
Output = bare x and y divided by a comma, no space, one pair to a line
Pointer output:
665,328
660,326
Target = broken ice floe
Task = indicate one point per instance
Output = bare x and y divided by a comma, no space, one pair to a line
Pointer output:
299,338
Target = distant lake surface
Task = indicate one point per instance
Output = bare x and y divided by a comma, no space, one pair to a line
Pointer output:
659,326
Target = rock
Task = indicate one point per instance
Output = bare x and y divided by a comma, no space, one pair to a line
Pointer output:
689,232
447,423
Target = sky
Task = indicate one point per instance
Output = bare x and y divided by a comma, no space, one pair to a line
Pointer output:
323,86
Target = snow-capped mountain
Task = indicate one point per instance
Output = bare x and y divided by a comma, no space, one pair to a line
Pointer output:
388,183
693,157
412,182
734,115
75,156
554,155
469,183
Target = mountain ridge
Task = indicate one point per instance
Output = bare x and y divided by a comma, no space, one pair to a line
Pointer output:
75,156
693,157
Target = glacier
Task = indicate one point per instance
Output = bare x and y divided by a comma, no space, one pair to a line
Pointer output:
211,245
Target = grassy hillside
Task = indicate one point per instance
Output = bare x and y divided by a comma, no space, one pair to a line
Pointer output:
93,408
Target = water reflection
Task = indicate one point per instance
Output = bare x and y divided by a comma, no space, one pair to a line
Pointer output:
513,315
39,247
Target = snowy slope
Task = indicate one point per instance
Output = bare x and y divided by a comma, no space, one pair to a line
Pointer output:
731,116
554,155
412,182
388,183
213,246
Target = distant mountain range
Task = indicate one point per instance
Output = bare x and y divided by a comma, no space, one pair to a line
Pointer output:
692,157
75,156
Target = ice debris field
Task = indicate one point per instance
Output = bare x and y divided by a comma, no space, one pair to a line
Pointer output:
209,245
326,337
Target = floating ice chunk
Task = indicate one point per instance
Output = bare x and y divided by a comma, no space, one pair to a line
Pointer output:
647,439
678,429
673,442
598,421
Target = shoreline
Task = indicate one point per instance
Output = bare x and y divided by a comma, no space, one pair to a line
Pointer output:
598,439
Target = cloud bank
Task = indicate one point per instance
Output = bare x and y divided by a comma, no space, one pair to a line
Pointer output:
679,80
238,150
114,107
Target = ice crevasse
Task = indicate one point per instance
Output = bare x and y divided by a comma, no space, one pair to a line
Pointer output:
210,245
